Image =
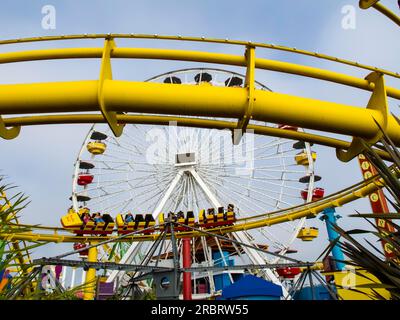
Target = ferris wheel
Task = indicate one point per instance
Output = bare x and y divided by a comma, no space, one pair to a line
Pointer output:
154,169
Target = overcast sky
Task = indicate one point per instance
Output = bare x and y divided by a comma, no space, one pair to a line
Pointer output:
40,161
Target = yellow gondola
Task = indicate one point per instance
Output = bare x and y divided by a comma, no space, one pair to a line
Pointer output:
96,147
308,233
302,158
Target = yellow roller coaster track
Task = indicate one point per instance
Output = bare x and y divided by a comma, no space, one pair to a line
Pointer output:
113,96
352,193
161,103
365,4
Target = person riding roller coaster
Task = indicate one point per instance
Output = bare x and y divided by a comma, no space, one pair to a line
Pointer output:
86,217
172,216
98,218
129,218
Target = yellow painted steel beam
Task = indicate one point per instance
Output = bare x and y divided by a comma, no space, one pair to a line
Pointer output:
188,122
365,4
250,86
90,280
384,10
203,40
172,99
340,198
106,75
197,56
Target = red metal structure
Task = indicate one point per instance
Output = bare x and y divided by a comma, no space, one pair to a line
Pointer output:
187,276
378,203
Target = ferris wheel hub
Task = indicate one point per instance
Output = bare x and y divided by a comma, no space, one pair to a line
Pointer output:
185,159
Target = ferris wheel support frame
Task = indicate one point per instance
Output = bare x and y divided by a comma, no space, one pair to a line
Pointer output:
254,256
134,247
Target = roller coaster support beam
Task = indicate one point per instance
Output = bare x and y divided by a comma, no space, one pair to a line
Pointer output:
250,86
135,247
90,282
330,218
379,204
365,4
377,102
187,276
106,74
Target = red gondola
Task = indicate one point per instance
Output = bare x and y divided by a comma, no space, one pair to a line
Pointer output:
288,272
317,194
78,246
85,179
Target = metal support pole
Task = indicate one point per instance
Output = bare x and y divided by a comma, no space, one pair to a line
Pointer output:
89,291
331,292
331,220
311,284
176,260
187,276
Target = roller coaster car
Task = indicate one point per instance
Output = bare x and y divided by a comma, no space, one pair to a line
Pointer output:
123,226
220,215
308,233
202,216
71,220
302,158
287,127
288,272
85,179
170,217
190,219
74,221
230,217
212,220
210,216
317,194
149,222
180,217
140,223
96,147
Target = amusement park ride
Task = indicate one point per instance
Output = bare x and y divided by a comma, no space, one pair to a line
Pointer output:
147,222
